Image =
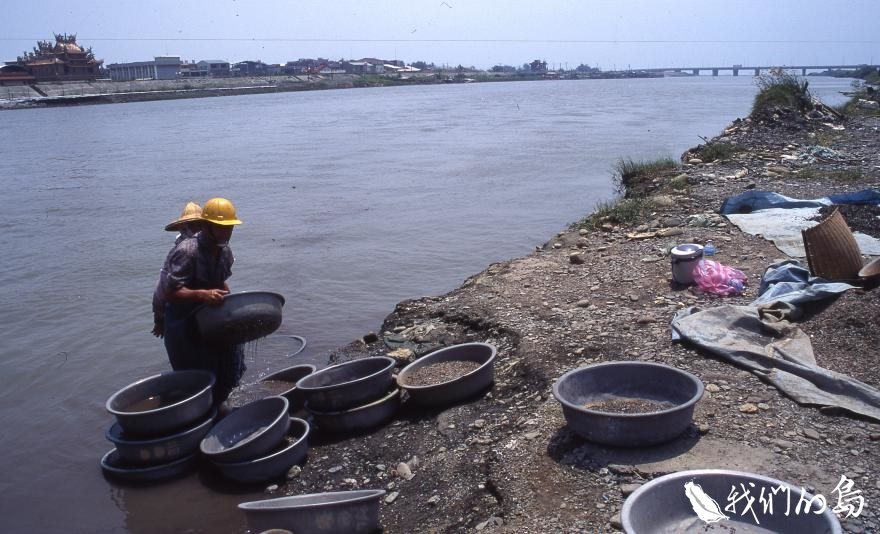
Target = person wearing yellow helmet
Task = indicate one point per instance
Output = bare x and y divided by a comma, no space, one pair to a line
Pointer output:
199,267
187,225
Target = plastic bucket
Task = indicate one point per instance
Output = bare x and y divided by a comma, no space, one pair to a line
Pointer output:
684,259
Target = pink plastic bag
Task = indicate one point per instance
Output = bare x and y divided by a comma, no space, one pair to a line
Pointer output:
713,277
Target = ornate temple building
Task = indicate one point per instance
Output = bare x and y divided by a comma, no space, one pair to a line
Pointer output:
63,60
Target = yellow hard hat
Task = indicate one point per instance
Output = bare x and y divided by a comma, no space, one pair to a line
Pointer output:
191,212
220,211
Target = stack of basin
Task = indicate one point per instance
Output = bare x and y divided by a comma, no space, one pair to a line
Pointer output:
353,396
160,421
257,442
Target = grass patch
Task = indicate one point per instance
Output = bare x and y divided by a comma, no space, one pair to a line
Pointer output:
852,107
842,175
679,183
826,138
780,88
628,173
717,150
624,211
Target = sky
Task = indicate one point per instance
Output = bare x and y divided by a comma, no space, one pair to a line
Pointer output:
613,34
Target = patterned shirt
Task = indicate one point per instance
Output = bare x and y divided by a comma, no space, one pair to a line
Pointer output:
192,265
162,283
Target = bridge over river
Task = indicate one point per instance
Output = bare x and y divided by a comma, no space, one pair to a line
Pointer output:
757,70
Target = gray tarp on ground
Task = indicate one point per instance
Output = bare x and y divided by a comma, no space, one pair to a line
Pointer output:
759,339
781,219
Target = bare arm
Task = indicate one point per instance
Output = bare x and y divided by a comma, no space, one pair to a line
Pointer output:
212,297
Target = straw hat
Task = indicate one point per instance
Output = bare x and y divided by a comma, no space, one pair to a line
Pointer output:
191,212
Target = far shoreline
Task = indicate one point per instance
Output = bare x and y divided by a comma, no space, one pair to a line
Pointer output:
63,94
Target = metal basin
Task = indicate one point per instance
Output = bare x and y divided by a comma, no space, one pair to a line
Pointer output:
871,271
249,432
360,418
114,466
292,375
348,384
145,452
663,506
349,512
460,388
628,380
276,463
242,317
164,403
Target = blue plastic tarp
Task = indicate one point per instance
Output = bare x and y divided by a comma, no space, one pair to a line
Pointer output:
759,337
789,281
758,200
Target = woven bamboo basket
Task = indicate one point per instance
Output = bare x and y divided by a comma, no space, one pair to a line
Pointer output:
832,251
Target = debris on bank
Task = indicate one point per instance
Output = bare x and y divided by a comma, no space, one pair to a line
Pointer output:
603,291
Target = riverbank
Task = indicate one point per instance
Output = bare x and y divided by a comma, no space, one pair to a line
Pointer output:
55,94
508,463
109,92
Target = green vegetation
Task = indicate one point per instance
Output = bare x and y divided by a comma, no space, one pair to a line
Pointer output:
853,106
629,174
779,88
374,80
717,150
826,138
624,211
679,183
634,180
852,174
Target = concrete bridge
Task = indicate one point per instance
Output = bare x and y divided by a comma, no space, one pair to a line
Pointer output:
757,70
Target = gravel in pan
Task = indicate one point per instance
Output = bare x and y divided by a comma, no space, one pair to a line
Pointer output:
629,405
438,373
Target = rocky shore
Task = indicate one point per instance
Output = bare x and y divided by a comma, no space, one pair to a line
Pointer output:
602,291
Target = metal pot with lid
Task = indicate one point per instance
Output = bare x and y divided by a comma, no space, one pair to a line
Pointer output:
684,259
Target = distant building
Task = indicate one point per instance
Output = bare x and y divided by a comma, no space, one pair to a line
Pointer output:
214,67
312,66
192,70
15,75
363,67
64,60
255,68
161,68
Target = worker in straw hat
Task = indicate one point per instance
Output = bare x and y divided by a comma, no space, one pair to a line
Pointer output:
187,225
198,268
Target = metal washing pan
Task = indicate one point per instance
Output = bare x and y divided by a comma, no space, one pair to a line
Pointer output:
153,451
668,505
460,388
292,375
163,403
248,432
115,467
242,317
349,512
359,418
632,380
348,384
276,463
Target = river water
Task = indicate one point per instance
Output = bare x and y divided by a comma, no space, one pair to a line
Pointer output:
352,201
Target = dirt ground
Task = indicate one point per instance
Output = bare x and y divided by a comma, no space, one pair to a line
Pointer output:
507,462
